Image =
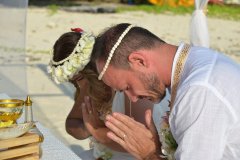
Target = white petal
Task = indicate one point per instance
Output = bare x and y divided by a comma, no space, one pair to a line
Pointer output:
58,71
49,69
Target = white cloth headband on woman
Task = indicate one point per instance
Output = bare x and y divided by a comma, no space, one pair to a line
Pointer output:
113,50
64,70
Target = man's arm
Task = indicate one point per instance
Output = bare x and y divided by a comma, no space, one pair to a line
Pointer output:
200,122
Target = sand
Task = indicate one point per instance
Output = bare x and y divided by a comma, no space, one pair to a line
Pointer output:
53,102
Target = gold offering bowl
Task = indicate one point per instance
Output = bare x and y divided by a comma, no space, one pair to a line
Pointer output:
10,111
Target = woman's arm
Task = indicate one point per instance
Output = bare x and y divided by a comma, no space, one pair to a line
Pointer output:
97,127
80,129
74,122
76,127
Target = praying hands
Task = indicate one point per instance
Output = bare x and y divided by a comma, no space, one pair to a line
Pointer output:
138,139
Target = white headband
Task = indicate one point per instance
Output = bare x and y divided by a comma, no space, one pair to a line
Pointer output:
113,50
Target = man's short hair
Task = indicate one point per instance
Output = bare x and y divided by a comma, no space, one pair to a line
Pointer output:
136,39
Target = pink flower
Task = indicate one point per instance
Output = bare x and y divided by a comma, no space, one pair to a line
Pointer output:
77,30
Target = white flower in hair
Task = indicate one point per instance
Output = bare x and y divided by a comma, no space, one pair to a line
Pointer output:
64,70
58,71
75,61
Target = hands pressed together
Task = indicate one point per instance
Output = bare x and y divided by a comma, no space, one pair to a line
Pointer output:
90,116
139,140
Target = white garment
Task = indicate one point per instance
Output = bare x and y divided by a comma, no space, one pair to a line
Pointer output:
205,120
119,103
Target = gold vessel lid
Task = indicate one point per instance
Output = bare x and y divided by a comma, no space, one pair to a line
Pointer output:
11,103
28,101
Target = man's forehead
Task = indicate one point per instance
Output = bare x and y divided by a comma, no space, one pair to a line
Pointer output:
108,78
114,78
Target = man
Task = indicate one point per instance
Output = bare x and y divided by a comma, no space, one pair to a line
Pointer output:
204,85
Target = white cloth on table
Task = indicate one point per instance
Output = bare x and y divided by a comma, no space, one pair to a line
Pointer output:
53,149
205,120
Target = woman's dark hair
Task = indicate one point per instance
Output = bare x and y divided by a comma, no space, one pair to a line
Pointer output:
65,44
99,92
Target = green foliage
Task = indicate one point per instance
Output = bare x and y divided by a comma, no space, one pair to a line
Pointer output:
171,141
52,9
156,9
224,11
217,11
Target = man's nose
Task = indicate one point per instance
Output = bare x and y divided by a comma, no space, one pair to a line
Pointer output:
132,97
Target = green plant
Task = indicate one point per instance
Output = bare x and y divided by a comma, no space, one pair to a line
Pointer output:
52,9
217,11
224,11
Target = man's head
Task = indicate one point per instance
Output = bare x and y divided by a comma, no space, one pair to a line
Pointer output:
130,68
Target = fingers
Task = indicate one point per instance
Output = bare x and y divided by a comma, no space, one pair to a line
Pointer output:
116,139
116,126
152,128
149,121
127,124
121,124
123,141
134,140
128,121
84,110
88,105
148,117
116,129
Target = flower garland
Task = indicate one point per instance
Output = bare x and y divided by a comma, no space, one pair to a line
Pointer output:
169,144
65,69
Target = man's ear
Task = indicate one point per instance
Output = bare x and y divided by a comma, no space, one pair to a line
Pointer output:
137,60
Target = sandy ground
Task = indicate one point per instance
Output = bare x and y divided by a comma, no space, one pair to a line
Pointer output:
53,102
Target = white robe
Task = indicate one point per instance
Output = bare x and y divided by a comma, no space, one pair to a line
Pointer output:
205,120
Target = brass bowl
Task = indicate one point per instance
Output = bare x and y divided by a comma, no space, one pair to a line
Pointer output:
10,111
